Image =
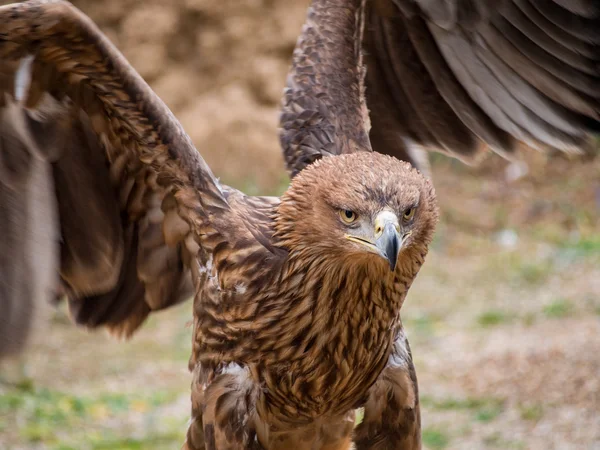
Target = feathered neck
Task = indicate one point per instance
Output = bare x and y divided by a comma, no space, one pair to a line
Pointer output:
335,331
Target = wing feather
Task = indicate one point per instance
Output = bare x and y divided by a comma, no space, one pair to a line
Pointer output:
554,31
583,28
458,76
115,153
538,77
323,109
443,126
541,41
523,65
29,244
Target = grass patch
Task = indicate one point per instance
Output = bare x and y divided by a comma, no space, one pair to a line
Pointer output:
57,419
154,441
558,308
424,324
494,318
151,442
532,412
585,246
534,273
482,409
496,440
468,403
518,268
488,412
435,438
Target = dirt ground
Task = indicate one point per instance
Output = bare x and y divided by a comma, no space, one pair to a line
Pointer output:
504,319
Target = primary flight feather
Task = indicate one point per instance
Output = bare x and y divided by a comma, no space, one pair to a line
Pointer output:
297,299
457,76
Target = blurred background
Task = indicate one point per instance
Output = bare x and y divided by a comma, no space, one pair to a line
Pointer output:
503,320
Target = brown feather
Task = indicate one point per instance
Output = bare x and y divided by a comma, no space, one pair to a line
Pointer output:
392,413
457,76
324,112
98,137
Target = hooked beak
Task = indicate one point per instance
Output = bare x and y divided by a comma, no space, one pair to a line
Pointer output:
388,240
389,244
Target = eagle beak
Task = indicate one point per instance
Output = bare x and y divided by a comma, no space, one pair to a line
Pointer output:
387,238
388,241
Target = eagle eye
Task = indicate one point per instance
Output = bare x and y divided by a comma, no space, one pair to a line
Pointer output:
348,216
409,214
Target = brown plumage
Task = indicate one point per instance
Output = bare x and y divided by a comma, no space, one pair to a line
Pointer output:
277,317
455,76
297,300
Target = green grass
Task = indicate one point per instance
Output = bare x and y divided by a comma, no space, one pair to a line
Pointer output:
585,246
108,442
534,273
57,419
483,409
488,412
150,442
469,403
494,317
558,309
424,324
518,268
435,438
533,412
497,441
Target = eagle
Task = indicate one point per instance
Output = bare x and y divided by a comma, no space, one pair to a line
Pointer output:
105,200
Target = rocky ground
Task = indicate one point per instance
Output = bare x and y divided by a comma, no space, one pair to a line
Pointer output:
504,319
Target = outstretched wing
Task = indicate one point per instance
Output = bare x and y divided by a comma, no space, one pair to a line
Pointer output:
323,110
84,135
465,76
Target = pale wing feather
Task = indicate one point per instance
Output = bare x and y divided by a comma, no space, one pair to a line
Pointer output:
513,71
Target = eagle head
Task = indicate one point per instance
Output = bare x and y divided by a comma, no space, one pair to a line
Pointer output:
364,208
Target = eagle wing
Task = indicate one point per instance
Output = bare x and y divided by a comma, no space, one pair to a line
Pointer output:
323,111
456,76
127,200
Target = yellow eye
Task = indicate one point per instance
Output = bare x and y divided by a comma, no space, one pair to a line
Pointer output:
348,216
409,213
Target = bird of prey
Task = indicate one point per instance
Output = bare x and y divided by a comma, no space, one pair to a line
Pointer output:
297,299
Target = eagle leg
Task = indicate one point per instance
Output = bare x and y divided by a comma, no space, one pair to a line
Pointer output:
392,418
222,410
